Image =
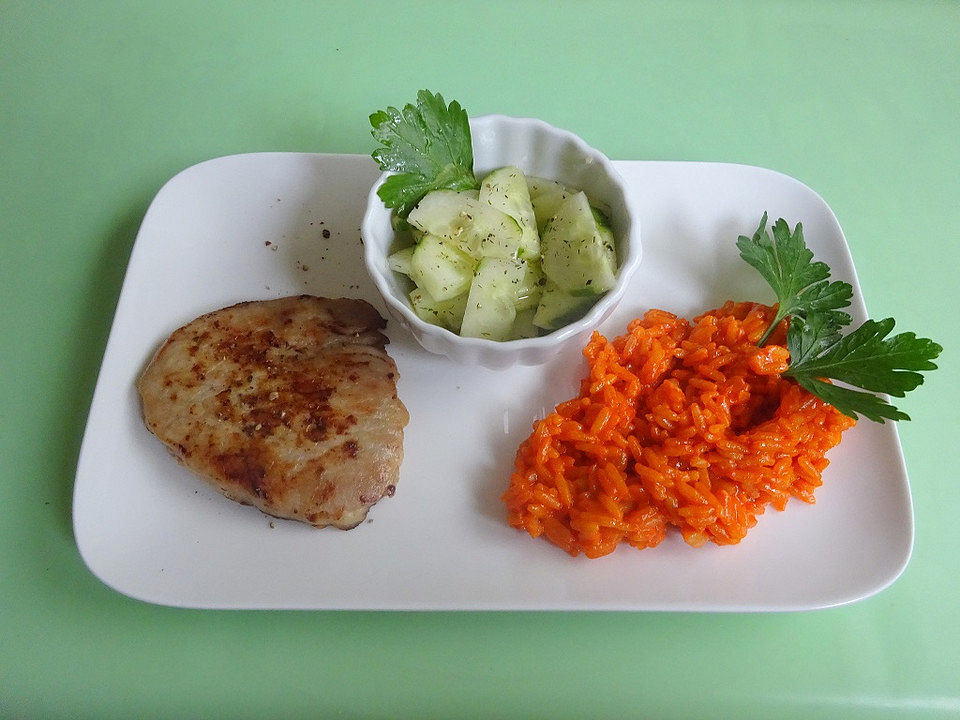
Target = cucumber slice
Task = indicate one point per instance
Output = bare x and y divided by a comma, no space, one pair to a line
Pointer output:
519,281
490,310
445,313
528,281
440,268
506,190
558,307
545,197
576,255
402,260
609,245
523,325
478,229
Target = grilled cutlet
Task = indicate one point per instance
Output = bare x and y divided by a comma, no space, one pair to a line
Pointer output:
289,405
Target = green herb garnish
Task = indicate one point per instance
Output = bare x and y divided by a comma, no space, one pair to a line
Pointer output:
801,285
428,145
865,359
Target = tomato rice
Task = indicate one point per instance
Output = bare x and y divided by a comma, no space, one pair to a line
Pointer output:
680,424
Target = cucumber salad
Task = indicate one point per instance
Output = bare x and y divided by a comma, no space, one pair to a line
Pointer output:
514,258
505,258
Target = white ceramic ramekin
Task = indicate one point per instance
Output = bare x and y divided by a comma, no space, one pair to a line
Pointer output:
544,151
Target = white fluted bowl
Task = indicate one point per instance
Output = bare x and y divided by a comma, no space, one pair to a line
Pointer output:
544,151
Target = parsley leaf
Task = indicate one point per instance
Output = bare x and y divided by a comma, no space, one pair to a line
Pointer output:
806,338
428,145
866,358
801,286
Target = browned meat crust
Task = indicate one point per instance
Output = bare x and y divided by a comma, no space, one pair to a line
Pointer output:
289,405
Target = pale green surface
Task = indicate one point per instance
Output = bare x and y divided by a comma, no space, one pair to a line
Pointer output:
101,103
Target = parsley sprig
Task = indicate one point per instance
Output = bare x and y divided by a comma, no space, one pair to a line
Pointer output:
866,361
428,145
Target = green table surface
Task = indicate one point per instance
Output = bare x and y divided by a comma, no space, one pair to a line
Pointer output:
100,103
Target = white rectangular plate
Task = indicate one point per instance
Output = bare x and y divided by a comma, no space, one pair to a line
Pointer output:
273,224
